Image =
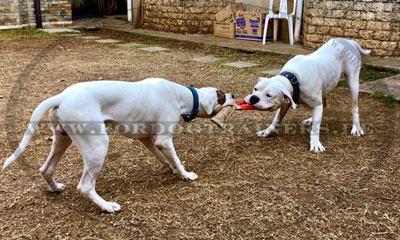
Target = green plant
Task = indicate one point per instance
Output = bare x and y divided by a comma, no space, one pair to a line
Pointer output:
389,100
342,83
29,32
369,73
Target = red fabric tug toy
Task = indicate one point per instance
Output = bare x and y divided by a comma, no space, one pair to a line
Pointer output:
243,105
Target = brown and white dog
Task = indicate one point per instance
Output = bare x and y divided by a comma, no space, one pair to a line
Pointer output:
148,110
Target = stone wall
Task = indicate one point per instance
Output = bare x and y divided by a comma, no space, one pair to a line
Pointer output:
374,24
21,13
182,16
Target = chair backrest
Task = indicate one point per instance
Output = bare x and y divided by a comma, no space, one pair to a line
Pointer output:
283,6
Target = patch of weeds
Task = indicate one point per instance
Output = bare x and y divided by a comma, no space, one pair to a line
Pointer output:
221,61
369,73
272,54
64,33
342,83
389,100
28,32
163,38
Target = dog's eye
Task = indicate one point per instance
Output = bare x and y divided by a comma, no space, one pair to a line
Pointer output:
268,95
255,89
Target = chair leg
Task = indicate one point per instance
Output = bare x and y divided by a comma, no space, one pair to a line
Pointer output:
276,24
265,30
290,26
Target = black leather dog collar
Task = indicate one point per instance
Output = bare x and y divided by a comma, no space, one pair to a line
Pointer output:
295,84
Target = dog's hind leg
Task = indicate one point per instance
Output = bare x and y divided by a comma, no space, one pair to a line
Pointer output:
352,80
94,150
149,143
59,146
166,146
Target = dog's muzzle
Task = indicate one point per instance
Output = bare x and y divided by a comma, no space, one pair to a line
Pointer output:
254,99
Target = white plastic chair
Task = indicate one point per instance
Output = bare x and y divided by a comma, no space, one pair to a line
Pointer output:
282,14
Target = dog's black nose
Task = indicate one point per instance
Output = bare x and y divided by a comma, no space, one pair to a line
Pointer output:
254,99
233,96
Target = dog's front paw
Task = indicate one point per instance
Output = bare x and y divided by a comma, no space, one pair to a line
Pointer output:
358,132
265,132
58,188
316,147
111,207
307,122
190,176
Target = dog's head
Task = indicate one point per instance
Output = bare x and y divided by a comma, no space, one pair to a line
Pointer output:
270,94
212,100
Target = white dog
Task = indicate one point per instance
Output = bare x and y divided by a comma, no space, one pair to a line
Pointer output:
309,79
147,110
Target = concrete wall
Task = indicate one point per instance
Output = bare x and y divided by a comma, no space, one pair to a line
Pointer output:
373,24
21,13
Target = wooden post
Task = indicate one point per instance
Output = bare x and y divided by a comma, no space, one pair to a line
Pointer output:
137,13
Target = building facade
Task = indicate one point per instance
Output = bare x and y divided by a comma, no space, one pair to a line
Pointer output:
21,13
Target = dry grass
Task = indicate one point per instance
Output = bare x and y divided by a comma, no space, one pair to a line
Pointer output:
248,188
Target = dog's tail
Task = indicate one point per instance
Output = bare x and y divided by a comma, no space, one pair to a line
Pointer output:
36,116
362,51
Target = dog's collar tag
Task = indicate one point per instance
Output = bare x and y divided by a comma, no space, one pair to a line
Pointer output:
195,109
295,84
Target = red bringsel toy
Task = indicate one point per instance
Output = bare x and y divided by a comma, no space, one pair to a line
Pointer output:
243,105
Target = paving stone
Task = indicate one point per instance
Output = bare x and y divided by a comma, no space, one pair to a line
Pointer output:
241,64
206,59
59,30
90,37
129,45
154,49
389,86
107,41
272,72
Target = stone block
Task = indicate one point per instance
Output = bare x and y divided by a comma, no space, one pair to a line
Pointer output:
311,29
360,6
330,22
323,30
374,25
353,15
372,44
370,16
390,45
395,36
344,23
317,21
359,24
387,26
366,34
382,35
314,38
337,32
386,16
351,33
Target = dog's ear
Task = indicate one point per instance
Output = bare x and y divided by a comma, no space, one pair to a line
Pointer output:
221,97
288,98
208,105
260,79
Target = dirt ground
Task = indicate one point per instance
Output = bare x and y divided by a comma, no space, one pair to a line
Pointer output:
248,187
